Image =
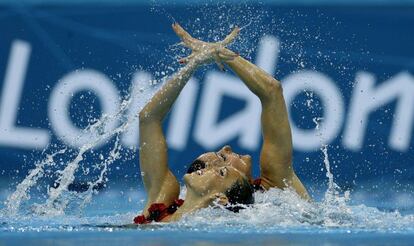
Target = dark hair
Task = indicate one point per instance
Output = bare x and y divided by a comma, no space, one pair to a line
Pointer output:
239,194
196,165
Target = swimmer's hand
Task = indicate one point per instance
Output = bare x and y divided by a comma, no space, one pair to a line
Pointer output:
205,52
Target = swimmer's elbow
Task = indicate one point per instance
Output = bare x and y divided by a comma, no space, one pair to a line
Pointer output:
275,85
273,89
143,115
152,112
146,116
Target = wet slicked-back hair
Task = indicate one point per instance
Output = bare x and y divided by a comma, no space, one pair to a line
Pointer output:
196,165
239,195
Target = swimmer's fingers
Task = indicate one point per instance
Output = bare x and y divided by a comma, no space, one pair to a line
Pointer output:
187,39
230,38
183,34
185,60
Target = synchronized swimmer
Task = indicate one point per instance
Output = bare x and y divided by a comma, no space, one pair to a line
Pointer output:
222,177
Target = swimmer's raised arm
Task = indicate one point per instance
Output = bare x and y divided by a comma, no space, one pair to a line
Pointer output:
276,155
160,183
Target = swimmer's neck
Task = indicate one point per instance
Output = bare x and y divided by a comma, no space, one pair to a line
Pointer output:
192,202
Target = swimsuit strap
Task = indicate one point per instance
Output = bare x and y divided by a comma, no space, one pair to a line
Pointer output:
158,211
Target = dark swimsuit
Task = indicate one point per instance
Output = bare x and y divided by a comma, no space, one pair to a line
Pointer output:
158,211
257,185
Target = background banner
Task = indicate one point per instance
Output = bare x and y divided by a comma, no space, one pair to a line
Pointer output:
347,74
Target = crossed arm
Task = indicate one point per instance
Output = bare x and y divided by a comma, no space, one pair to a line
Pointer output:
161,185
276,168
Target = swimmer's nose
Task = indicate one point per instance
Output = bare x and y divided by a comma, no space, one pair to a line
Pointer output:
246,158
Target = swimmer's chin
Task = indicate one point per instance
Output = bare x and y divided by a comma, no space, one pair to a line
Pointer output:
189,179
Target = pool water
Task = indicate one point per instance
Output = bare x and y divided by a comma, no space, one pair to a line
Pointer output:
134,237
34,213
277,218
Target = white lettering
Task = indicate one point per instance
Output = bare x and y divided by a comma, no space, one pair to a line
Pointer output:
60,100
181,115
245,124
268,53
11,135
308,140
141,92
366,99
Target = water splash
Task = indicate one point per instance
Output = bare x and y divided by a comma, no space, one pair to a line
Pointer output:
335,205
277,210
21,193
54,205
114,155
59,197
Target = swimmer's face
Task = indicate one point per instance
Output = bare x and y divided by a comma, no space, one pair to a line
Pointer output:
226,157
217,171
213,180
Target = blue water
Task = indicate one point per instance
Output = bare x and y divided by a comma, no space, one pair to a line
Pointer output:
133,237
278,218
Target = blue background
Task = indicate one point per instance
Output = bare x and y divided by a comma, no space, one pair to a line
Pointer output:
118,39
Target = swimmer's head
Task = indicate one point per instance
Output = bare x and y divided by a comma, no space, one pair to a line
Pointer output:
224,175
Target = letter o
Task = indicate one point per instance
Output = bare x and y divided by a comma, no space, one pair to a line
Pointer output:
60,100
333,105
